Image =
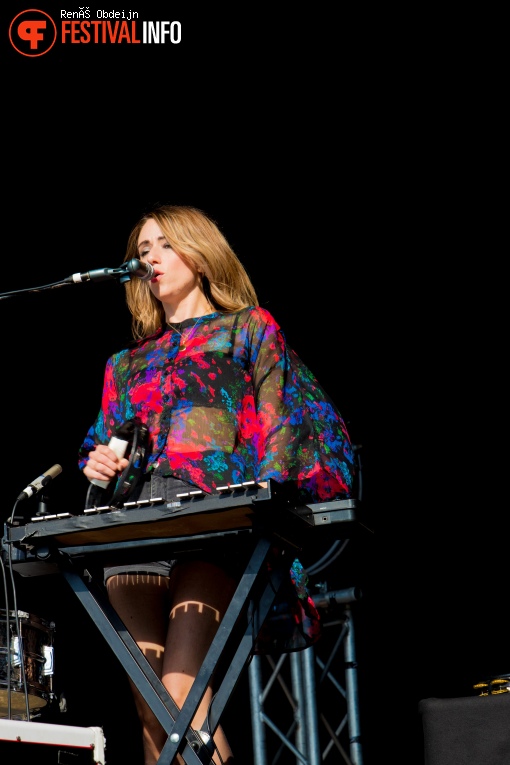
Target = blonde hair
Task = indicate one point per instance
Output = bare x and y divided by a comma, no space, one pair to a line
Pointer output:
199,242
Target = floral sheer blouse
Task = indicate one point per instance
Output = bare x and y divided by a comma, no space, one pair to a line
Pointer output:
226,400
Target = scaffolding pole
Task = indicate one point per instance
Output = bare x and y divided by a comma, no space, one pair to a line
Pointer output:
302,727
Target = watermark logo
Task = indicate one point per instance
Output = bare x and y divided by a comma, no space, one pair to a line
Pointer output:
32,33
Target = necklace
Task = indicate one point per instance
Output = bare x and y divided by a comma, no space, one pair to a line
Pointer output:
185,337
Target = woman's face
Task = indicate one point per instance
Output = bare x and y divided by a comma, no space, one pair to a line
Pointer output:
174,280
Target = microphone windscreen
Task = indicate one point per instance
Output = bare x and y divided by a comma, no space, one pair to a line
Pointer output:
54,471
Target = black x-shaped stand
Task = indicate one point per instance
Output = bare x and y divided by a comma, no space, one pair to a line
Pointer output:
249,607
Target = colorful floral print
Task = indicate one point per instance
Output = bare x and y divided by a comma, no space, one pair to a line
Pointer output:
228,402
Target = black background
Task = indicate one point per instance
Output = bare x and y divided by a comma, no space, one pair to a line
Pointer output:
357,175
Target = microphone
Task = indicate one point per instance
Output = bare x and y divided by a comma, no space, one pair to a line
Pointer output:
133,267
40,482
143,270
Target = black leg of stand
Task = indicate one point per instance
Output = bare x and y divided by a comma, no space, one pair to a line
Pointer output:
130,656
244,651
176,723
240,599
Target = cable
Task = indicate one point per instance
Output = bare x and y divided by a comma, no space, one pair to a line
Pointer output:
17,630
7,640
19,636
329,557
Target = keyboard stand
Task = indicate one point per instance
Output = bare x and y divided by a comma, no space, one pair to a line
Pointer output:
252,599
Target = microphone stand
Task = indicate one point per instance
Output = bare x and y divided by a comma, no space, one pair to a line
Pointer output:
123,273
42,507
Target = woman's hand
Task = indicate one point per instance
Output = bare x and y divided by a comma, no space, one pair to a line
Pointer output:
103,464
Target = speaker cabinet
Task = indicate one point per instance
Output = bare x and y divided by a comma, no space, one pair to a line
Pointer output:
472,730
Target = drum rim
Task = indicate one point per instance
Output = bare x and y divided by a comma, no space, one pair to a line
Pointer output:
26,617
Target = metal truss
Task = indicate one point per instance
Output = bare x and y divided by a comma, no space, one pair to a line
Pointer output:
304,705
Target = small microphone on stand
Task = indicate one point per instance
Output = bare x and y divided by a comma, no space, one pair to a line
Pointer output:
40,482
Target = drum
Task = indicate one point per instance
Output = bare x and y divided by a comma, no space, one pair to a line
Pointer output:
26,659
